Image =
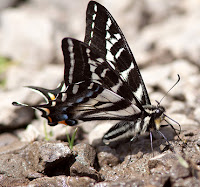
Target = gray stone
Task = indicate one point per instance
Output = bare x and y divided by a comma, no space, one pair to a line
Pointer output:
13,116
12,165
179,171
84,164
62,181
14,147
85,154
7,138
185,122
7,3
40,130
188,182
107,156
11,181
161,164
197,114
49,77
27,39
172,37
81,170
44,155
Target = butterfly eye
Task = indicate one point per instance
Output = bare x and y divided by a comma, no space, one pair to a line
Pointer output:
158,111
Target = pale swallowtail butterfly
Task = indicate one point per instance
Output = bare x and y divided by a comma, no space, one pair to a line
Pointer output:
101,82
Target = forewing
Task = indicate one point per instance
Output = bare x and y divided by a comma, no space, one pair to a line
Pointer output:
104,35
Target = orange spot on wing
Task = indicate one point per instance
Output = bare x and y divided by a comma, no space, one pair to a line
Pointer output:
46,110
50,120
52,97
63,122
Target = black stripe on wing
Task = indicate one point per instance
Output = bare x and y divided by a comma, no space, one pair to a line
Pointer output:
94,102
104,35
84,63
49,95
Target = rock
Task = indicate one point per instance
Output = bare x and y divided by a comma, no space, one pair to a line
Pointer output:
179,171
37,159
13,147
12,165
159,11
8,3
40,130
13,117
171,37
161,34
188,182
161,164
133,182
62,181
84,165
49,158
36,39
27,39
176,107
34,131
11,181
185,122
107,156
81,170
7,139
48,77
85,154
197,114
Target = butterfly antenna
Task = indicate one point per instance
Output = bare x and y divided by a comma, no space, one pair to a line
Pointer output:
170,89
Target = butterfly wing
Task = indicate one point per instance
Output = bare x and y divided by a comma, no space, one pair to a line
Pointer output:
84,63
103,80
104,35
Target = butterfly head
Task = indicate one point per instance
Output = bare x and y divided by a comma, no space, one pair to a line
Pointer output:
158,116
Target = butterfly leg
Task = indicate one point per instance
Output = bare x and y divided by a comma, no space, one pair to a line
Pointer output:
169,145
131,140
151,139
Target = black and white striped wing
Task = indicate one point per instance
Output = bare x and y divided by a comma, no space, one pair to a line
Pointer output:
89,68
94,102
104,35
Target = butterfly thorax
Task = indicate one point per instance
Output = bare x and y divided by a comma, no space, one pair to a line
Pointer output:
156,114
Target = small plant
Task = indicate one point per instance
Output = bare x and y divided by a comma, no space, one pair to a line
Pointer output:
47,135
71,141
183,162
4,65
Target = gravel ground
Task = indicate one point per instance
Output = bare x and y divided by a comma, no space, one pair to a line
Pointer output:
164,38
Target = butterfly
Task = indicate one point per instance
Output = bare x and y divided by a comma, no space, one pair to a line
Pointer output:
101,82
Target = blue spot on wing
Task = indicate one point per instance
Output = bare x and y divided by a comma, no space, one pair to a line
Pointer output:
89,94
79,100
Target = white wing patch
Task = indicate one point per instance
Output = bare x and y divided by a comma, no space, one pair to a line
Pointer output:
119,53
72,60
125,73
93,24
146,124
139,93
